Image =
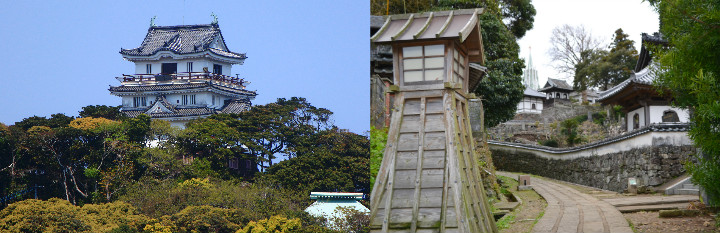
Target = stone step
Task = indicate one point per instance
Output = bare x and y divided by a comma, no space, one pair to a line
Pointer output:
651,200
690,186
638,208
688,191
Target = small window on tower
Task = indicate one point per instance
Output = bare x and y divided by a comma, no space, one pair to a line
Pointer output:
184,99
148,69
139,101
217,69
192,99
189,67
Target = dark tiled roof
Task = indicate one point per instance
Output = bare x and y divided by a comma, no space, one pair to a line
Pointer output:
236,106
533,93
183,39
178,112
655,127
171,87
556,83
376,21
645,76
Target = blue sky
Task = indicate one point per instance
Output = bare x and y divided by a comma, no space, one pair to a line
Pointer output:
59,56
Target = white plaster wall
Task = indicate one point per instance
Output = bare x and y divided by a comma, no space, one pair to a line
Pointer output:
656,113
639,141
198,64
525,106
641,112
127,101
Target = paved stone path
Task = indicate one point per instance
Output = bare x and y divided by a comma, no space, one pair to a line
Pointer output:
570,210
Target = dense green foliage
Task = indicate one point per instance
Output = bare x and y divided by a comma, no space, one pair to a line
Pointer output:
690,73
378,139
602,68
183,183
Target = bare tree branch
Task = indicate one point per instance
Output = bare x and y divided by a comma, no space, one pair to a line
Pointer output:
567,44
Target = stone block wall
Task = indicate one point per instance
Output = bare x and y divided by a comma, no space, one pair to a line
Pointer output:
652,166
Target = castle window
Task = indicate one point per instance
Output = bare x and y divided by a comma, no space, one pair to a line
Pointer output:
139,101
188,99
557,95
533,106
189,67
423,63
217,69
458,67
233,163
213,99
148,69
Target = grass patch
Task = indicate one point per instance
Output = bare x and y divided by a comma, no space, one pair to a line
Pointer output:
631,225
504,222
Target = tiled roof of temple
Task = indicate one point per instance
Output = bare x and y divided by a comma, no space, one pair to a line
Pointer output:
556,84
183,39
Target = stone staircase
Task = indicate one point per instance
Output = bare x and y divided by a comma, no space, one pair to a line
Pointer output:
680,187
652,203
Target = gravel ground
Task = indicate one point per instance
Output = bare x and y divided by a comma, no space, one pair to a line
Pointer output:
649,222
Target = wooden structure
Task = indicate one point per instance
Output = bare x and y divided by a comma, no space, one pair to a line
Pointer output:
429,180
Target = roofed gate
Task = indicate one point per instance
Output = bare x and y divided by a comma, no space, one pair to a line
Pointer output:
429,180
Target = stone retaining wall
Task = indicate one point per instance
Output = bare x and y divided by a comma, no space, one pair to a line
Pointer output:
652,165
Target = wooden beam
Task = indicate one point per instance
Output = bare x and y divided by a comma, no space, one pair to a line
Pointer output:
427,23
445,25
404,28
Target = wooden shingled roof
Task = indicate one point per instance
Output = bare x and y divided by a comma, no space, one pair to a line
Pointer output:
462,25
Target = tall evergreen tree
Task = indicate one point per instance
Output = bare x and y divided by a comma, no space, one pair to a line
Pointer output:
604,69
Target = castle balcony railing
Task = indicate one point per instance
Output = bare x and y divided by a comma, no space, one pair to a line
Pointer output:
183,77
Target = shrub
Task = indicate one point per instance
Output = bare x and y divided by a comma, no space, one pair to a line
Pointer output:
207,219
274,224
550,142
57,215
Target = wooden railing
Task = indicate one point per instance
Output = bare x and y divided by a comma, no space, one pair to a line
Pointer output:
182,76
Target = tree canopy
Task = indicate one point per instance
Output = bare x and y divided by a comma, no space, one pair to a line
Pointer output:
690,74
604,69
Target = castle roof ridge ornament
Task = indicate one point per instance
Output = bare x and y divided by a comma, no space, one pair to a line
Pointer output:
215,18
152,21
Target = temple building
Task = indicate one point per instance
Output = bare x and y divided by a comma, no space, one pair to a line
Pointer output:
642,105
182,73
532,102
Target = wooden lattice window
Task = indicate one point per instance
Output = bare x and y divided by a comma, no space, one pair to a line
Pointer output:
423,63
458,67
